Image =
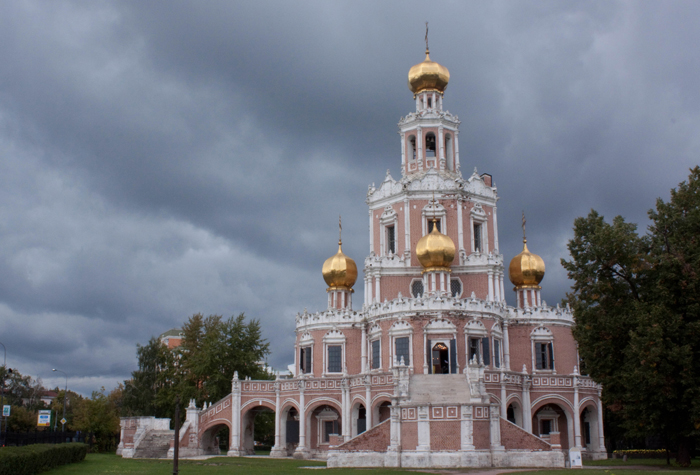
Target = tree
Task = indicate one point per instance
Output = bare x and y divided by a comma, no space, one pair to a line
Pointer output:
99,416
201,368
636,302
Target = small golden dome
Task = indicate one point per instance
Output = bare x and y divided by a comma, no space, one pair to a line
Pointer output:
435,251
428,75
339,271
526,270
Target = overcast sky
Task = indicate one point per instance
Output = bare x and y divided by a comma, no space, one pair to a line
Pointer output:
159,159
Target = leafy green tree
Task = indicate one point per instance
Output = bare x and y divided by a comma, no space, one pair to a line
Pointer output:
636,301
73,400
99,416
201,368
21,419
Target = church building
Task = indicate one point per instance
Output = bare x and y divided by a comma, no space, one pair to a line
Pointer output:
434,368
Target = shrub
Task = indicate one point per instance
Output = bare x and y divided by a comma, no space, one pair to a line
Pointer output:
641,453
32,459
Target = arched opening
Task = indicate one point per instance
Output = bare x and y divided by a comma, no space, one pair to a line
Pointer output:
429,145
381,412
359,419
412,147
257,431
215,440
552,418
441,359
449,154
289,430
323,422
514,414
589,429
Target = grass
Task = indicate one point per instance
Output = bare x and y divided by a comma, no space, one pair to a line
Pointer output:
96,464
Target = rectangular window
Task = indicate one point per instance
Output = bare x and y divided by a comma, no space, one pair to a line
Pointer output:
402,350
544,355
496,353
375,354
334,359
486,355
474,349
477,238
390,240
305,360
546,427
330,428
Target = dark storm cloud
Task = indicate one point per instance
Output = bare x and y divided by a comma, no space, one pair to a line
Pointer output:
166,158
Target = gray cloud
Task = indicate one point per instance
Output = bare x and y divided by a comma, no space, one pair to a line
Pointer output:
166,158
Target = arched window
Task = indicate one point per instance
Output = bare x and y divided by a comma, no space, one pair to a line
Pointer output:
412,147
430,144
449,156
417,288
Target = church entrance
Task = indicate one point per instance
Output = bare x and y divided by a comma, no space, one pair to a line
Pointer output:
441,359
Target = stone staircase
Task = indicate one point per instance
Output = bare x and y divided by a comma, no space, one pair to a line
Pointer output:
154,445
438,389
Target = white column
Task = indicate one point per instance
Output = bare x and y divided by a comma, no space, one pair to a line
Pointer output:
277,449
441,162
433,284
235,446
467,428
347,418
506,346
495,231
301,447
425,356
417,103
423,427
504,403
371,231
407,225
527,409
495,428
368,402
403,154
577,416
419,145
601,436
496,286
364,349
377,294
457,150
503,290
460,226
490,279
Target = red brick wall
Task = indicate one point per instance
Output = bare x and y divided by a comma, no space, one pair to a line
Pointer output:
376,439
513,437
482,436
445,435
409,435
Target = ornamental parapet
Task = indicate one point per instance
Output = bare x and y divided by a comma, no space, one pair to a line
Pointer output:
543,312
330,317
445,303
540,381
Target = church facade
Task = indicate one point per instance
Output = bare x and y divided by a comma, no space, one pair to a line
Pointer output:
434,369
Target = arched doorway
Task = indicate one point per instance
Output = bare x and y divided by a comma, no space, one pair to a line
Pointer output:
359,419
216,439
552,418
289,430
381,412
590,439
324,421
257,430
440,359
514,413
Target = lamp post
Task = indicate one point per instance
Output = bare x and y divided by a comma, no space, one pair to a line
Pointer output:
65,393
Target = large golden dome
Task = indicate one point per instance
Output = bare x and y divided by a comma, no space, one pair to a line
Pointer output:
435,251
339,271
526,270
428,75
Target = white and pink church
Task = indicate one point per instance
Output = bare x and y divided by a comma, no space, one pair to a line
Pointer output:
434,369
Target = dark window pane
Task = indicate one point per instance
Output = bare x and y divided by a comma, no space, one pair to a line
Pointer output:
497,353
402,350
417,288
546,427
455,287
477,238
390,240
432,223
334,360
473,349
375,354
486,357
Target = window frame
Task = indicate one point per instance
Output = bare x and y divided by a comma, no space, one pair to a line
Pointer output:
542,336
334,338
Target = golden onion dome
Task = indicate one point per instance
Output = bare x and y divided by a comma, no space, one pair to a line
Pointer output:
428,75
435,251
339,271
526,270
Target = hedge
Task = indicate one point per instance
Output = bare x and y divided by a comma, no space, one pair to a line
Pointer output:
32,459
642,453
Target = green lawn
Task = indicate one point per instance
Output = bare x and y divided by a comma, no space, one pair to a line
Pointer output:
112,464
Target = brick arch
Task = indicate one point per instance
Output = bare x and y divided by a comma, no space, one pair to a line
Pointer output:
567,438
247,421
593,444
322,401
207,436
376,403
258,402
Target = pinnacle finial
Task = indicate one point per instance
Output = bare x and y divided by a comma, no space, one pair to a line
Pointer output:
340,230
524,221
427,50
